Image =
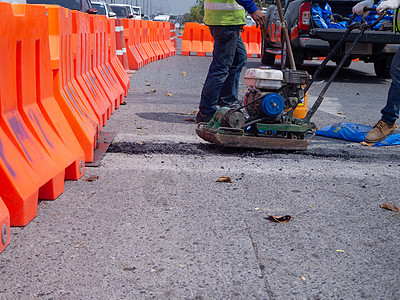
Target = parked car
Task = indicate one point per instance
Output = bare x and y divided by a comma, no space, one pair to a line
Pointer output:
308,41
136,12
81,5
122,10
162,18
104,9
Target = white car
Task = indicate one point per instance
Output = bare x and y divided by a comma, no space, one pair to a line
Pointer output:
162,18
104,9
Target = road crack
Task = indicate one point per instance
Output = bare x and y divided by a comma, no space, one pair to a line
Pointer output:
261,264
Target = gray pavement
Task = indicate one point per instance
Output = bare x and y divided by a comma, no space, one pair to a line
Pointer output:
156,224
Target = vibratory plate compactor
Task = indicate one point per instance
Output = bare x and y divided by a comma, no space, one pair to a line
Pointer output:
264,119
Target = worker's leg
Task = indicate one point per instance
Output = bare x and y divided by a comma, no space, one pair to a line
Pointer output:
229,91
225,43
386,125
390,113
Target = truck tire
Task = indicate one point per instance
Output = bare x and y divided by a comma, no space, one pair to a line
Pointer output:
382,67
266,58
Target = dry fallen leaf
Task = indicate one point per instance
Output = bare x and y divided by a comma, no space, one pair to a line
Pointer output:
303,278
141,127
148,81
367,144
143,134
168,94
90,178
187,114
160,83
341,251
190,120
147,84
390,206
280,219
357,94
153,90
184,74
224,179
123,103
340,113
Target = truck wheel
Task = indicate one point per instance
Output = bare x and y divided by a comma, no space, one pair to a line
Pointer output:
382,67
266,58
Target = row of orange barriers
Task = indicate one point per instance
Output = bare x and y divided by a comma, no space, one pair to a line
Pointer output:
145,42
197,40
60,81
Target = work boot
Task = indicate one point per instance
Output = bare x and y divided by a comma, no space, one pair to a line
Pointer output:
380,132
200,118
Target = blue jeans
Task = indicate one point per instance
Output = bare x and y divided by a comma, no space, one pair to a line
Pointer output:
229,56
390,113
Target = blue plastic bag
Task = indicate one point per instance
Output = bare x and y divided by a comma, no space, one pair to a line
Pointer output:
318,17
355,133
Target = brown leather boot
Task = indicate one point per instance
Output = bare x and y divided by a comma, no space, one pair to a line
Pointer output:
380,131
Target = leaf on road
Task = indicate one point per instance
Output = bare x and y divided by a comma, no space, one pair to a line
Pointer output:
187,114
341,251
303,278
224,179
390,206
153,90
280,219
184,74
90,178
190,120
129,268
340,113
160,83
141,127
147,84
367,144
123,103
148,81
168,94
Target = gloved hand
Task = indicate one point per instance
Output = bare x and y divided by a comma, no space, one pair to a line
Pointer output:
389,4
359,7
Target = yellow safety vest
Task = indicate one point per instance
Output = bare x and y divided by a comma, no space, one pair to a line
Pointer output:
396,20
223,12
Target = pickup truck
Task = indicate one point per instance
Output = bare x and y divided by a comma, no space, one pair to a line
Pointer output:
308,41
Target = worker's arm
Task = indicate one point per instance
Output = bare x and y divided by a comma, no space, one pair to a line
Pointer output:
388,4
253,10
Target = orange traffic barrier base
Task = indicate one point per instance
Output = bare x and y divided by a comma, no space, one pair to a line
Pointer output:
4,226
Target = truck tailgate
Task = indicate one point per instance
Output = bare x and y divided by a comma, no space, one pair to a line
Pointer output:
372,37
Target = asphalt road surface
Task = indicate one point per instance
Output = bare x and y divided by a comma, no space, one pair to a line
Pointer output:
156,224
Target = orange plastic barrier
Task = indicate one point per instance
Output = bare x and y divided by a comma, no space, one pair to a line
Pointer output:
114,62
144,40
137,35
172,37
37,149
160,39
251,37
111,92
155,45
197,38
84,75
70,97
134,59
121,44
4,226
